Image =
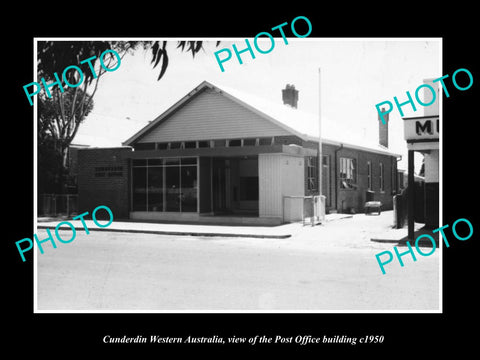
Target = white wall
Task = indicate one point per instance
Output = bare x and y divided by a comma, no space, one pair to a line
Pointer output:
279,175
431,166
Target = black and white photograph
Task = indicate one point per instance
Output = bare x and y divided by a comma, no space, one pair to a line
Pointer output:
297,181
220,198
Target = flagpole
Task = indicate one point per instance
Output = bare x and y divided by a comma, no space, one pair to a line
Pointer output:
320,162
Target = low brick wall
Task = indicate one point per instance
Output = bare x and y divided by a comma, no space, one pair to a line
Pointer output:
103,179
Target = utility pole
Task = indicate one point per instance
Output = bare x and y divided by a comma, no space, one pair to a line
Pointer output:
411,195
320,156
320,162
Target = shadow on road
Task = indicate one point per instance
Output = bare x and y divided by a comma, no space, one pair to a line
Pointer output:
424,241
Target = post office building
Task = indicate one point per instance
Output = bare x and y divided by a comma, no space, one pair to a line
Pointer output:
220,153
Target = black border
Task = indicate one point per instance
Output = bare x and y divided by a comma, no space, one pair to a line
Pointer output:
407,334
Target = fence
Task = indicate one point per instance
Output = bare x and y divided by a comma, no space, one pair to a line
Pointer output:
400,205
57,204
305,208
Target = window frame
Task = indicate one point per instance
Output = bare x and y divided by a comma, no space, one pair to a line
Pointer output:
344,165
164,164
381,177
312,173
369,176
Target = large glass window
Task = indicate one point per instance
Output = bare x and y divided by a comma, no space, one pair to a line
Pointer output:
155,188
172,182
164,185
188,196
139,188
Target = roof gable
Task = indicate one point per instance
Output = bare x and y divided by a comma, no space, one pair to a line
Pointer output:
208,113
211,112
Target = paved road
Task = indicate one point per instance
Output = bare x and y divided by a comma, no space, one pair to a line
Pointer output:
329,267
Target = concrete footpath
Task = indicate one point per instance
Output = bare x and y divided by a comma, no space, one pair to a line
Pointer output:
394,235
400,236
273,232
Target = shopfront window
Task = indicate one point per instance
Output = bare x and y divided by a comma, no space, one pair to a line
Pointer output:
139,195
188,196
155,188
173,191
164,185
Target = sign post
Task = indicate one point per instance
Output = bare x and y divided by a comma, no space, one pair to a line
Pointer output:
421,134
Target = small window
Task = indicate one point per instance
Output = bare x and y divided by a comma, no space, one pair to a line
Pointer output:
265,141
236,142
190,144
175,145
249,142
219,143
382,178
369,175
348,173
204,144
162,146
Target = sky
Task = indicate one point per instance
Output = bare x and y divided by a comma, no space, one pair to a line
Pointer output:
356,74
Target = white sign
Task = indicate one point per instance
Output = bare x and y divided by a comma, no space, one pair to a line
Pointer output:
425,128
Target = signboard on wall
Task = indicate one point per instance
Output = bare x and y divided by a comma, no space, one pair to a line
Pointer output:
421,129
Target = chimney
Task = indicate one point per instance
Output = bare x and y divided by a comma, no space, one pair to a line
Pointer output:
383,130
432,109
290,96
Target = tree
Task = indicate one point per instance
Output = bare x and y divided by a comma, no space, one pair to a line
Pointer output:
60,116
57,127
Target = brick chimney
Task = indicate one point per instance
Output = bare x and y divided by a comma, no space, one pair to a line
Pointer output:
383,130
290,96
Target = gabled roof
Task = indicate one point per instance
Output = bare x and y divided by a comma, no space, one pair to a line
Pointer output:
294,121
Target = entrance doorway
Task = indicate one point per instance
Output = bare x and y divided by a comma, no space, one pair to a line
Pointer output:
235,186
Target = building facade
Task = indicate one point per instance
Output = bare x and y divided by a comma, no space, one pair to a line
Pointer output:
216,152
422,134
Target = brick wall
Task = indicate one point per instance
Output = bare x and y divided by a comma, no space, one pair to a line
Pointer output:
344,200
103,180
355,199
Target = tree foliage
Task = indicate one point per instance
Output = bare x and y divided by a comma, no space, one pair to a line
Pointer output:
59,120
60,115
